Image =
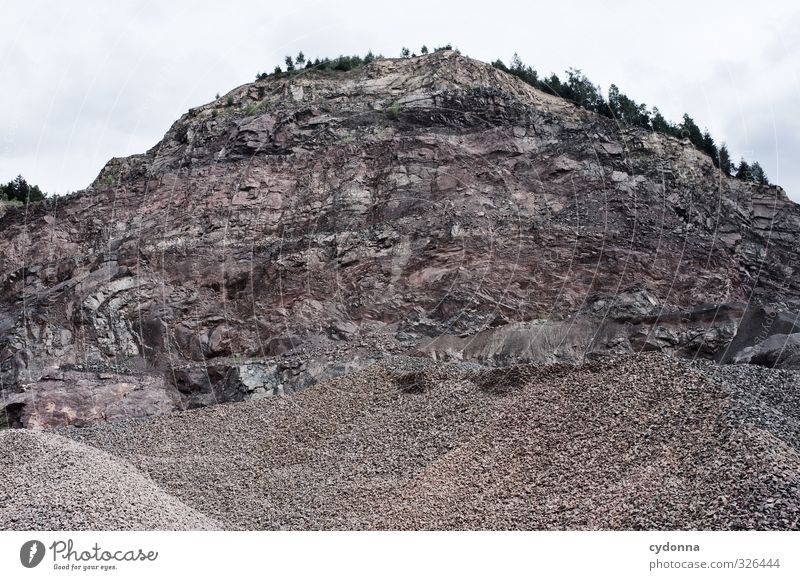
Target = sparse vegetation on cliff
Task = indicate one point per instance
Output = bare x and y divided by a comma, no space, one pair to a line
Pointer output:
340,63
393,110
20,190
580,90
576,88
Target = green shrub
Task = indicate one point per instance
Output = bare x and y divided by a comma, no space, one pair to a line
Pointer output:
393,110
21,191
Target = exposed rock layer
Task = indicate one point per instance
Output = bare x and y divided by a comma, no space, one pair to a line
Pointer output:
331,217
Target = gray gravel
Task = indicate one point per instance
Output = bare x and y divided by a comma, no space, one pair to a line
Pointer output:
49,482
633,442
766,398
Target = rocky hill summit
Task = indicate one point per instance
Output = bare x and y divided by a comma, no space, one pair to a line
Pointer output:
308,224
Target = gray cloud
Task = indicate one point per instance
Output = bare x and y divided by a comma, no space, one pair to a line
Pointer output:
91,80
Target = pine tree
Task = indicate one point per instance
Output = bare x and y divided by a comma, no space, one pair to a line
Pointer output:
690,129
500,65
743,170
423,50
725,160
710,148
626,110
18,189
289,63
405,53
757,174
35,194
277,70
300,59
581,91
516,64
661,125
553,85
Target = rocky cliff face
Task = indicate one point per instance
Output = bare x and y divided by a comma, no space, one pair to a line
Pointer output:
302,226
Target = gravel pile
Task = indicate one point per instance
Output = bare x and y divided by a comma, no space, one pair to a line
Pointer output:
763,397
634,442
49,482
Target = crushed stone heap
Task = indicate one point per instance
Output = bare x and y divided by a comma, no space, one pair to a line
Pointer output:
631,442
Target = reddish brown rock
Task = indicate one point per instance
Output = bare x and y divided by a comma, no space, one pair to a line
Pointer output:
371,211
84,398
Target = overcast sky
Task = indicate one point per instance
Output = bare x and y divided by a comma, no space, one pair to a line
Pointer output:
86,81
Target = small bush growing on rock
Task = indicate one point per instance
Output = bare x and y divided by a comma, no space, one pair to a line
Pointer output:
393,110
229,101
